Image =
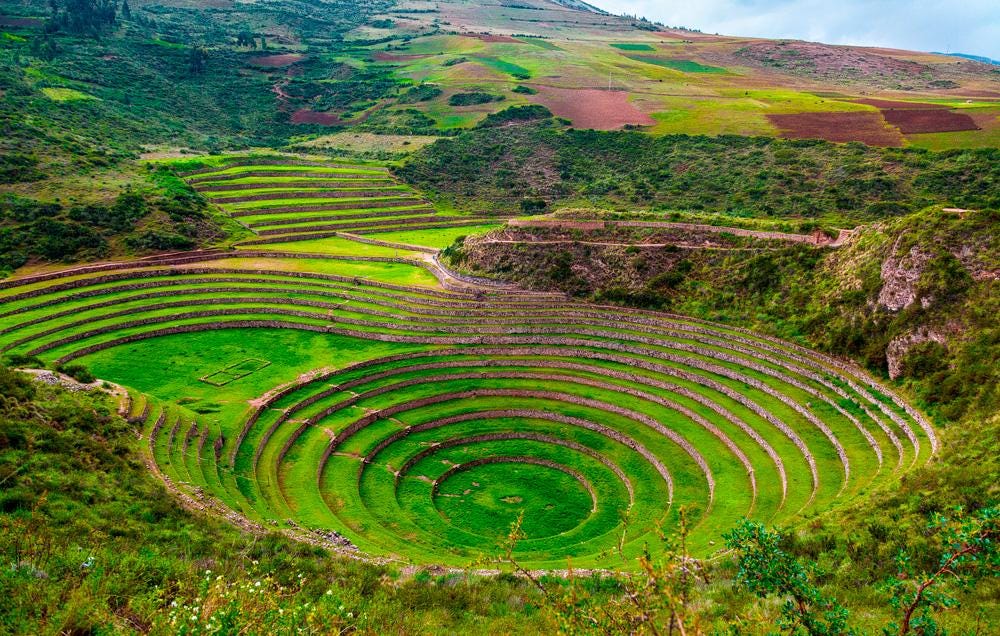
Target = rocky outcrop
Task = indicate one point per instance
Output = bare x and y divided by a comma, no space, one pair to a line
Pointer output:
899,277
901,345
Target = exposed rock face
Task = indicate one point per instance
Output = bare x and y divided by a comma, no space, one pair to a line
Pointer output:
900,346
899,278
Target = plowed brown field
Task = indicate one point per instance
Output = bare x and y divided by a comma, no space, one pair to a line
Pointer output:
591,107
866,127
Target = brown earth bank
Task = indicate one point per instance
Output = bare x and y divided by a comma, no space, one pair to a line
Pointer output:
306,116
641,234
866,127
592,107
590,262
276,61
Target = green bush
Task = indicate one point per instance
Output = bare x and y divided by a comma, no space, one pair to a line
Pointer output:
78,372
516,114
473,99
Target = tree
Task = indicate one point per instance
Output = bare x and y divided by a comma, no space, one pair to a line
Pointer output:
246,38
197,60
85,17
969,554
126,10
765,569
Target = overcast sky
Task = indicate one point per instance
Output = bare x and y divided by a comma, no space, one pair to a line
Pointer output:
956,26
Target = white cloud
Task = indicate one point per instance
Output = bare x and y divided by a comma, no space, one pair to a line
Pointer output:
969,26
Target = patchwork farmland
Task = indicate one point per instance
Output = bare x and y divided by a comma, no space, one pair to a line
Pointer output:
392,411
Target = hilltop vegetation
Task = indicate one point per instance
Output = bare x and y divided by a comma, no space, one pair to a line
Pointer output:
158,217
739,176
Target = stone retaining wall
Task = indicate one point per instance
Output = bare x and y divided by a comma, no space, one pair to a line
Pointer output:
340,217
279,162
359,205
348,225
236,187
345,176
330,194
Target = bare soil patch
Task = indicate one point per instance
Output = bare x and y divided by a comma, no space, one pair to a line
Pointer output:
866,127
276,61
929,120
306,116
591,107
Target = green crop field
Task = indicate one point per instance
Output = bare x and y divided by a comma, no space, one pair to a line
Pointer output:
685,66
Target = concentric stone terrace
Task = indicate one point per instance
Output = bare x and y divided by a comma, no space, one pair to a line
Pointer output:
482,406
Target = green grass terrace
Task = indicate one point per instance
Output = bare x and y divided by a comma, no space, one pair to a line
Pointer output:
375,406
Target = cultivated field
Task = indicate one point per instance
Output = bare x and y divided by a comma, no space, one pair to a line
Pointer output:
285,200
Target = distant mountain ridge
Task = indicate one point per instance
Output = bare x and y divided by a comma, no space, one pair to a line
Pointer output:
975,58
581,6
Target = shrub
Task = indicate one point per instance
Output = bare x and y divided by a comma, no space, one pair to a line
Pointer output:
21,360
154,240
516,114
15,167
533,206
473,99
420,93
78,372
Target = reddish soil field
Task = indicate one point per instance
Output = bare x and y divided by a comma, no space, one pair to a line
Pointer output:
383,56
888,103
276,61
929,120
869,128
592,107
306,116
